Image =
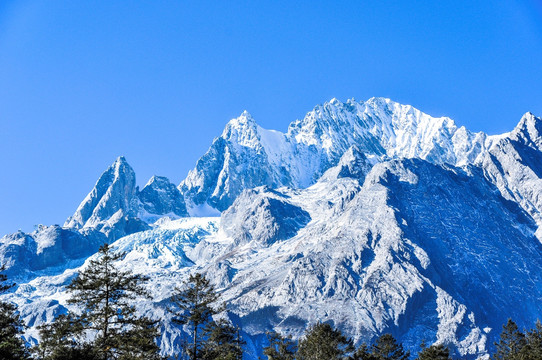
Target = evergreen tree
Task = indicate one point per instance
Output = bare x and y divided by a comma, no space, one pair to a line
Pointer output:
196,307
434,352
533,349
58,341
280,347
511,343
363,353
322,342
387,348
222,342
105,294
11,327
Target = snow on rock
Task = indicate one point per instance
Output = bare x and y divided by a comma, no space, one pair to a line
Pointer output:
47,247
262,216
116,207
372,216
160,197
113,197
514,164
247,156
420,250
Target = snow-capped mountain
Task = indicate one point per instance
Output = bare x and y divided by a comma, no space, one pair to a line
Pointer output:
514,165
114,208
370,215
246,155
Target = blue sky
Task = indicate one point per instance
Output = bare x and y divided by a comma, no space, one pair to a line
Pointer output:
83,82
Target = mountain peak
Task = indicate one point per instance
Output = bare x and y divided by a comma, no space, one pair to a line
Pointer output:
380,100
160,198
156,179
529,130
242,130
245,119
113,194
335,101
379,127
121,160
245,114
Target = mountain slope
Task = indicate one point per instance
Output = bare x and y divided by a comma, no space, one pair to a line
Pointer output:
423,251
370,215
514,164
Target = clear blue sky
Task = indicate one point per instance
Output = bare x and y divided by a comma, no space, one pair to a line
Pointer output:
83,82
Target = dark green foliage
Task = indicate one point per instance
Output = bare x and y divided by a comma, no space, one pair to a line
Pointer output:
11,327
322,342
387,348
280,347
434,352
533,350
105,294
222,342
511,343
363,353
58,341
195,304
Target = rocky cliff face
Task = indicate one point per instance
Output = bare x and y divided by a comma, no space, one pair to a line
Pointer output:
514,165
370,215
160,197
25,255
114,208
424,251
246,155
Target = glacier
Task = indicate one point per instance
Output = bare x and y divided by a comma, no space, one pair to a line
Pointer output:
372,216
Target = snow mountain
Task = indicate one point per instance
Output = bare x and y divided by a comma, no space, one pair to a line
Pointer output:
246,155
372,216
114,208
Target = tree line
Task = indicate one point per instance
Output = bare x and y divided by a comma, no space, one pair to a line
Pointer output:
106,326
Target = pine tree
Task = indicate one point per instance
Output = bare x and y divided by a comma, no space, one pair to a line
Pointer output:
363,353
322,342
533,349
11,327
105,295
222,342
434,352
58,341
280,347
387,348
511,343
195,305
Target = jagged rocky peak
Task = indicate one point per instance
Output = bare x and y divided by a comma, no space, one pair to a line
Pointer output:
161,197
379,127
236,160
529,131
111,207
514,164
242,130
114,191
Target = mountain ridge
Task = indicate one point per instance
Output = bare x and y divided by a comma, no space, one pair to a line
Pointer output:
370,215
380,127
